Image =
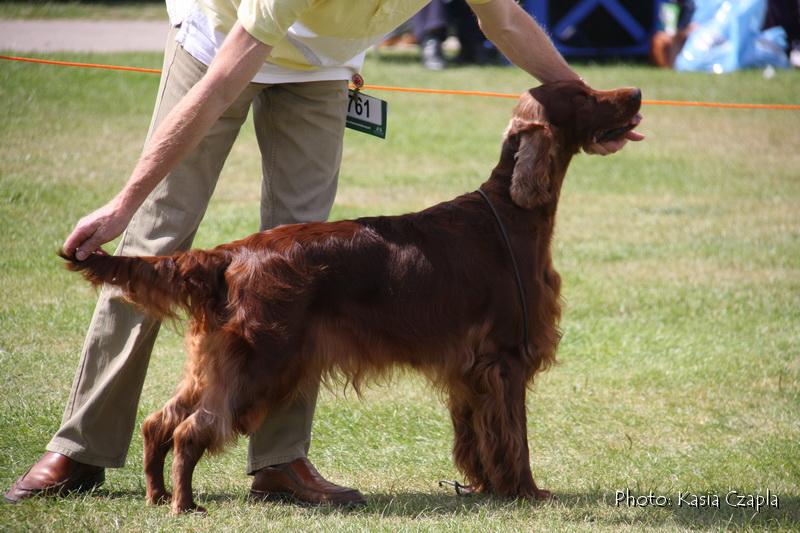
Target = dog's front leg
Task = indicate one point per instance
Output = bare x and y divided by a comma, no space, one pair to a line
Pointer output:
465,441
500,425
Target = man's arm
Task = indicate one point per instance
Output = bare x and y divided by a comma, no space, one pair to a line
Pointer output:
238,60
524,42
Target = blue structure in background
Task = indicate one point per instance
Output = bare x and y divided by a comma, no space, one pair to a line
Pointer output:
567,34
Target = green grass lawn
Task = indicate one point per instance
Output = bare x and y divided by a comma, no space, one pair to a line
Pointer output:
111,10
680,363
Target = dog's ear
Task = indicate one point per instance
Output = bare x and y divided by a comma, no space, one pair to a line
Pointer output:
530,181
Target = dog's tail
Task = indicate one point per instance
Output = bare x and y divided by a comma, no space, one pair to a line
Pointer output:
192,280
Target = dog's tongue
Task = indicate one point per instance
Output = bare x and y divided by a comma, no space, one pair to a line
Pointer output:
619,132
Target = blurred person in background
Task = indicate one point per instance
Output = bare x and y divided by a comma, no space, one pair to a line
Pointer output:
786,14
431,27
668,42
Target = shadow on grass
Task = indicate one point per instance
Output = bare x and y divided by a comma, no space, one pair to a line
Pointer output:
594,507
601,507
597,507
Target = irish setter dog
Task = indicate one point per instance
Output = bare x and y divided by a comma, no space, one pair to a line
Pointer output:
436,291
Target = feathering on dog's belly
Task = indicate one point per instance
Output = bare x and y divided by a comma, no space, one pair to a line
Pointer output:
358,273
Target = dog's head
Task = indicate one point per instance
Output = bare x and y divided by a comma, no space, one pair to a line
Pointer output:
554,121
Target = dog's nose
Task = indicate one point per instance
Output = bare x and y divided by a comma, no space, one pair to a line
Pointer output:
636,95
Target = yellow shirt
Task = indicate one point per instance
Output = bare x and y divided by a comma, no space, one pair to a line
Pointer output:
308,34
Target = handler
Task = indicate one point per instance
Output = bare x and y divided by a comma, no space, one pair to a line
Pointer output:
292,60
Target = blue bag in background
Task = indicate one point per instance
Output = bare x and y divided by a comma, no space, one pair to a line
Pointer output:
728,37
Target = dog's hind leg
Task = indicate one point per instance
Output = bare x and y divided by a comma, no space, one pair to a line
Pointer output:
500,423
157,431
191,439
159,427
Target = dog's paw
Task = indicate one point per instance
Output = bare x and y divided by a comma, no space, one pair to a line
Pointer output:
543,495
469,490
190,508
159,498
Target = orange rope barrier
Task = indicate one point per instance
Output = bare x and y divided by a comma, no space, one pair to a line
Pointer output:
84,65
645,102
723,105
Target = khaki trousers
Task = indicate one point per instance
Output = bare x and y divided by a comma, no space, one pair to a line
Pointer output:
299,127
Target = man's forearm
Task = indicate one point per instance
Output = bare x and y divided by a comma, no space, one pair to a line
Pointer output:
522,40
236,63
181,130
185,126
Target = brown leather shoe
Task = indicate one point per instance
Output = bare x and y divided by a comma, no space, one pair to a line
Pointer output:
299,482
55,474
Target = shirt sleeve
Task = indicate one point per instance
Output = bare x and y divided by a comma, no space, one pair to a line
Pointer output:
269,20
478,1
